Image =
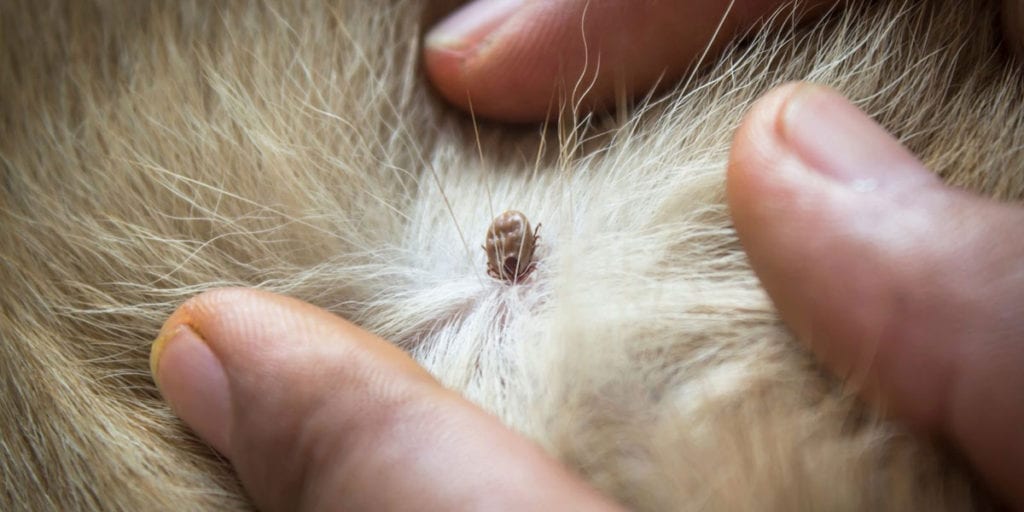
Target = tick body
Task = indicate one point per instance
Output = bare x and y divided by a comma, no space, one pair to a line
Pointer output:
509,246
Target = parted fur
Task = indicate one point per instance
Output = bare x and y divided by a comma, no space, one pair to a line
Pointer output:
153,150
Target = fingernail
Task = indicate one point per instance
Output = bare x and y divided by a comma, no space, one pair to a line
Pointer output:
155,352
193,382
467,27
833,137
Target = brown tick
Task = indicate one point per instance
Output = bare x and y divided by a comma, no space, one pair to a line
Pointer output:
509,246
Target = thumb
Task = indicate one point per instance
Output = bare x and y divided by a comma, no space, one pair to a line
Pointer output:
513,60
907,289
315,413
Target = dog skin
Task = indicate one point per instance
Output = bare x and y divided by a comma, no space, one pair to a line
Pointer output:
153,152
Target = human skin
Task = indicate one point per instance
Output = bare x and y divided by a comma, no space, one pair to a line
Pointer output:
946,320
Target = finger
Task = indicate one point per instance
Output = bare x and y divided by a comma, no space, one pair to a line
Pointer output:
514,59
315,413
906,288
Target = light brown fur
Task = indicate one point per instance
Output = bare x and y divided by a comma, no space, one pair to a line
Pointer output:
153,150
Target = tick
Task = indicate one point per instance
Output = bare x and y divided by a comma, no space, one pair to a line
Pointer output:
509,246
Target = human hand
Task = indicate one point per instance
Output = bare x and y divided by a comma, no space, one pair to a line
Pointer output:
514,59
907,288
315,413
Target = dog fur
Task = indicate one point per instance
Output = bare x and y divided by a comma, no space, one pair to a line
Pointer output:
153,150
